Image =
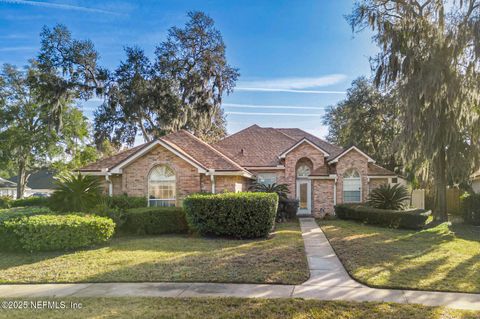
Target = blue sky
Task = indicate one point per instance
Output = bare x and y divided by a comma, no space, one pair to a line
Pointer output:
295,57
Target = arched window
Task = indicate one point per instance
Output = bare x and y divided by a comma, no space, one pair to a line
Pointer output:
161,186
303,171
352,187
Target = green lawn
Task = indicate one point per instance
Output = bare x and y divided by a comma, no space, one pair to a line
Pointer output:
206,308
280,259
442,258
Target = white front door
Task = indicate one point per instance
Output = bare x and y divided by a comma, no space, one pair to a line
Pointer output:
304,196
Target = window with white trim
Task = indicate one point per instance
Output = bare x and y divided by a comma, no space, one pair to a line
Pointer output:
161,186
303,171
266,178
352,187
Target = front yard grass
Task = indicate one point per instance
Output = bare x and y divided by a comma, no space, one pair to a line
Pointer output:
444,258
207,308
280,259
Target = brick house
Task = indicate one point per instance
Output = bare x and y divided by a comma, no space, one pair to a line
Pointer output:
317,173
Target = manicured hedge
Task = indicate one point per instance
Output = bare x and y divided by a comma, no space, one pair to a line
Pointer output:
8,240
239,215
470,208
60,232
155,220
409,219
30,201
124,202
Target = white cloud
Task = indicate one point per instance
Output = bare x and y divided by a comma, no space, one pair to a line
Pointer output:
275,114
12,49
58,6
254,106
293,84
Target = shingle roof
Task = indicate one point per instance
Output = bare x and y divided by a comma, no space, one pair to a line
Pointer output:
43,179
111,161
255,146
7,184
375,170
182,141
202,152
299,134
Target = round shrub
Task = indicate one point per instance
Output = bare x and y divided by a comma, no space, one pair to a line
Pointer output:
239,215
60,232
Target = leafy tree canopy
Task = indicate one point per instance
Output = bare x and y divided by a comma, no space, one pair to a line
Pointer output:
368,119
181,89
430,54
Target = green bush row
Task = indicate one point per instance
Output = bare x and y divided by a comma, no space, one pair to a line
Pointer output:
409,219
60,232
470,207
8,240
155,220
7,202
124,202
239,215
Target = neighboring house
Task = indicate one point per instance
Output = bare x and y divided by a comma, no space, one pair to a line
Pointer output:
40,182
476,181
318,173
8,188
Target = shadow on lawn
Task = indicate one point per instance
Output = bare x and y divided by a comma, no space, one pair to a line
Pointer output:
433,259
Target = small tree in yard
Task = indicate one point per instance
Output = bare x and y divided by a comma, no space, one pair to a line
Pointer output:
280,189
430,54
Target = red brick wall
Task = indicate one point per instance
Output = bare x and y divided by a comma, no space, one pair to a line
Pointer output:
305,150
352,159
224,183
322,200
376,182
135,175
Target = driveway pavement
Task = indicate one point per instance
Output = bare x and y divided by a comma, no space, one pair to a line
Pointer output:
328,281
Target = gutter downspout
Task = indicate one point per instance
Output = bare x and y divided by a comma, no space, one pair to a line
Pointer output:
335,192
212,179
110,185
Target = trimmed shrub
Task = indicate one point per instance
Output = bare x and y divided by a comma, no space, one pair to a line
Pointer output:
117,215
60,232
155,220
124,202
30,201
239,215
408,219
8,240
470,206
287,209
5,201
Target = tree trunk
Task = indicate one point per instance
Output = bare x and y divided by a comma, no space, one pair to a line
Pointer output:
22,179
440,187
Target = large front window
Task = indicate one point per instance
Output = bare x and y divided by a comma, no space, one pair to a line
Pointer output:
352,187
161,186
267,178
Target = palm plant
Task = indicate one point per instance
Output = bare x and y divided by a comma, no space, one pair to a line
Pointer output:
76,192
281,189
388,197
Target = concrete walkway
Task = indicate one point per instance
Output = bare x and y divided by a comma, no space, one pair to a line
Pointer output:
328,281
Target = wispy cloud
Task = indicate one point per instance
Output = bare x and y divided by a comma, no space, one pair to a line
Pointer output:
61,6
293,84
274,114
12,49
255,106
